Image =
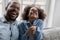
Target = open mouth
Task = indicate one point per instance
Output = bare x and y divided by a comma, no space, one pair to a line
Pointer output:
33,18
13,14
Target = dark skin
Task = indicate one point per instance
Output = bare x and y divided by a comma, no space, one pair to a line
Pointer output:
33,15
12,11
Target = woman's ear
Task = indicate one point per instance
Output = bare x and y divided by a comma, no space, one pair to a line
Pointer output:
28,15
5,8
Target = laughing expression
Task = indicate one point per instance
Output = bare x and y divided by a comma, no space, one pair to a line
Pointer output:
33,13
13,10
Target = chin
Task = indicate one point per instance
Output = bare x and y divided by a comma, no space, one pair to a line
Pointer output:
13,19
32,19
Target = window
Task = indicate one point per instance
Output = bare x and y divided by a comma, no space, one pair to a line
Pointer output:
0,7
23,3
28,1
39,3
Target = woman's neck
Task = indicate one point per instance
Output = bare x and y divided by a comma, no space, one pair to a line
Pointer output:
31,21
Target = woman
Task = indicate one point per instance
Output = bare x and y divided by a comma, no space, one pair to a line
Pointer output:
32,26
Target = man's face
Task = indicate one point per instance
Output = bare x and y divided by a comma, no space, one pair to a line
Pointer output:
12,10
33,13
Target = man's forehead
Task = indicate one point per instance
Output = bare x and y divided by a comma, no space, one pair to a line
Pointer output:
14,3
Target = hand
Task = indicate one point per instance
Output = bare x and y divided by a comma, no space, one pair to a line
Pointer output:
31,30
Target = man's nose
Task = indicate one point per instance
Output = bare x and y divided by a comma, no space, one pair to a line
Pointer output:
15,9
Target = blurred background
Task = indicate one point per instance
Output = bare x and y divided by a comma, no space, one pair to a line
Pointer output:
51,8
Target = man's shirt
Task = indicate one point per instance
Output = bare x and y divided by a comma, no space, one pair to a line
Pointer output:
8,31
25,25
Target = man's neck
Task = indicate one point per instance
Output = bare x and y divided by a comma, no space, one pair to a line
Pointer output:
8,20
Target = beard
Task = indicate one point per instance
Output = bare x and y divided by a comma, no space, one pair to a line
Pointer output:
11,15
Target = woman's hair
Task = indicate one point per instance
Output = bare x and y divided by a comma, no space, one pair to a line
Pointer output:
41,13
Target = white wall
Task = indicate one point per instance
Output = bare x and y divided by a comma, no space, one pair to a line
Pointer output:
56,15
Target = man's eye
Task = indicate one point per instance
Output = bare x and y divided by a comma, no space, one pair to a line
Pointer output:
12,6
18,8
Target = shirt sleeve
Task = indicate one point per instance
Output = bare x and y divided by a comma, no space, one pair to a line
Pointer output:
22,33
38,33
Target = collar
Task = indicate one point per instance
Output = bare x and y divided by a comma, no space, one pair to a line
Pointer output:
2,19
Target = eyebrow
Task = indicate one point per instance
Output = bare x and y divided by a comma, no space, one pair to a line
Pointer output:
34,9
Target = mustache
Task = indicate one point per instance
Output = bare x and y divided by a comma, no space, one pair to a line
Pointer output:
12,11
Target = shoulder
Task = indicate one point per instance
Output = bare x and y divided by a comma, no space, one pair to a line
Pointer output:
2,19
38,21
22,23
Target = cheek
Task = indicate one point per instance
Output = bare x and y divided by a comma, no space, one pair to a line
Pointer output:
36,16
8,10
17,14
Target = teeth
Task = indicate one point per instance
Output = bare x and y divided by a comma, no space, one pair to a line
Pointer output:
13,13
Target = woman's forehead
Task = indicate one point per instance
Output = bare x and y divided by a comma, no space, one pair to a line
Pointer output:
34,9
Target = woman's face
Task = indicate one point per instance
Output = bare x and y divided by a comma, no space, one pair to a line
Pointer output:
33,13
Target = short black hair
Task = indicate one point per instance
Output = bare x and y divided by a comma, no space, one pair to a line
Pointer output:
12,2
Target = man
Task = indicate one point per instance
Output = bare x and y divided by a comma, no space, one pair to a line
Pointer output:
8,24
31,28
